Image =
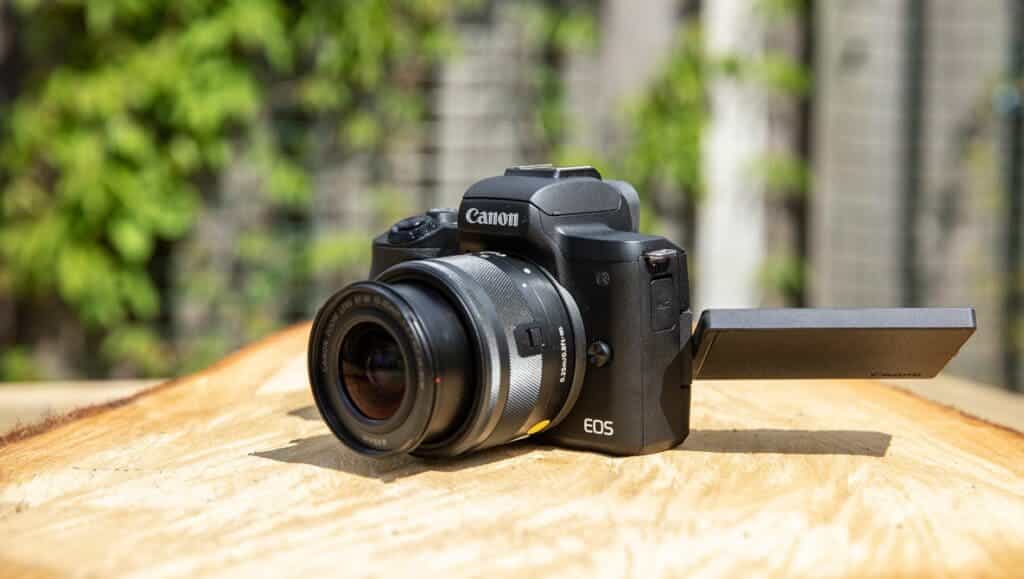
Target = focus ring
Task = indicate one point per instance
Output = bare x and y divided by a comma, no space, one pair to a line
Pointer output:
524,373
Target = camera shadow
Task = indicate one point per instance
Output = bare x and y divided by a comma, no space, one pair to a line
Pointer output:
784,441
325,451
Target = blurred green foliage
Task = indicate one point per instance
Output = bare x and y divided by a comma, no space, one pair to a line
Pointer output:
555,30
667,125
131,114
784,273
128,110
784,174
16,364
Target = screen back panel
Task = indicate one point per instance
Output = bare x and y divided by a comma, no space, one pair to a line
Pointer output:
829,343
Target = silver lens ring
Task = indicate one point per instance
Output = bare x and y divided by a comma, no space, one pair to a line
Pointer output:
528,338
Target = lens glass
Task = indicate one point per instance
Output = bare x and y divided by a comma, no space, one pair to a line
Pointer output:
373,372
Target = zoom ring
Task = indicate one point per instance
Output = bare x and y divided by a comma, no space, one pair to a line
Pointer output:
524,373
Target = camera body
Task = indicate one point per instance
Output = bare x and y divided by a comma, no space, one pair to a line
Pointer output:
631,289
538,309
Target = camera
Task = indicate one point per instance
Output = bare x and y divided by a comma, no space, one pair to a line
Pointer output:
539,309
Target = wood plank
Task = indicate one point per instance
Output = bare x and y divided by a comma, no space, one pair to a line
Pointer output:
231,472
991,403
28,403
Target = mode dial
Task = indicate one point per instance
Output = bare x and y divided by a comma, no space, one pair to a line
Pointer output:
412,229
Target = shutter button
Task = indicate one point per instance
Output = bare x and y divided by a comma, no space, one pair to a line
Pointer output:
410,223
443,216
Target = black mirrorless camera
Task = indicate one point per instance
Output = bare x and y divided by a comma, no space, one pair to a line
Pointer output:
539,309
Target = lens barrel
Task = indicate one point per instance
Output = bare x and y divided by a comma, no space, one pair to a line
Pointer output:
388,367
444,356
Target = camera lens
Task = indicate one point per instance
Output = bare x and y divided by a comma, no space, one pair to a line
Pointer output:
373,371
389,366
448,355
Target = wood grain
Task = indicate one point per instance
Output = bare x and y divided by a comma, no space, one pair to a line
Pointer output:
230,472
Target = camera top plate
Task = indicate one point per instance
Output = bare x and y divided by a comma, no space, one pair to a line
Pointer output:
552,190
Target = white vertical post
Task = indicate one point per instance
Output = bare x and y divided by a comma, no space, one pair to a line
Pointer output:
731,232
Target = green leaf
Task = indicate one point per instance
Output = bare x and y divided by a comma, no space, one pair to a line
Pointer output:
17,365
288,184
131,240
185,154
783,175
777,9
361,131
139,294
668,123
577,30
87,279
129,139
785,274
781,73
339,253
139,346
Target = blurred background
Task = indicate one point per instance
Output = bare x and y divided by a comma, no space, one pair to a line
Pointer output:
180,177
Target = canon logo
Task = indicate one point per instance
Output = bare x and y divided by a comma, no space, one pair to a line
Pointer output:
501,218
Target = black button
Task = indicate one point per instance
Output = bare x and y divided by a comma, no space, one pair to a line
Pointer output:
529,339
664,310
536,336
599,354
444,215
410,223
660,260
412,229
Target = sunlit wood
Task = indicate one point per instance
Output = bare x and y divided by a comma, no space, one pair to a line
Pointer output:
231,472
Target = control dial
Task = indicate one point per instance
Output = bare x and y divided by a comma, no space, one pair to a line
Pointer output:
412,229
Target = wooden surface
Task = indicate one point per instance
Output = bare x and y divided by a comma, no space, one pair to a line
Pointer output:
231,472
24,404
988,402
28,403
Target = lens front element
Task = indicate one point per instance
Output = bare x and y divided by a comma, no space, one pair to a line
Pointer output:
373,371
390,367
